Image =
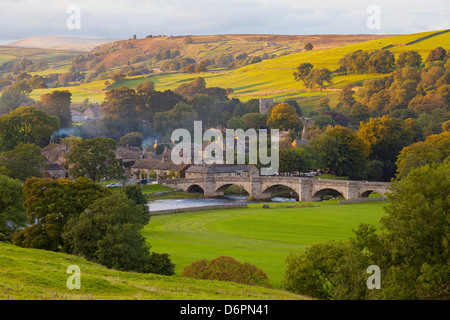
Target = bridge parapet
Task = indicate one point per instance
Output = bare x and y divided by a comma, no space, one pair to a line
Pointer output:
261,187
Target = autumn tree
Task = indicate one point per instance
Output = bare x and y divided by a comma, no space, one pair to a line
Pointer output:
436,54
346,98
188,90
435,149
227,269
386,137
284,117
427,103
57,103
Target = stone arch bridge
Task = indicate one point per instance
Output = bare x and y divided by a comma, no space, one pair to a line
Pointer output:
262,187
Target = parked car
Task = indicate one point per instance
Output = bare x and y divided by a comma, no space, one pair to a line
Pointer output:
143,182
115,184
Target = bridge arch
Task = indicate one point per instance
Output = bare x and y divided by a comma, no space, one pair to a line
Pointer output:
195,188
219,190
322,193
365,193
269,191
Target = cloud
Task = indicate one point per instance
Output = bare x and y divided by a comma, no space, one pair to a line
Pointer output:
120,18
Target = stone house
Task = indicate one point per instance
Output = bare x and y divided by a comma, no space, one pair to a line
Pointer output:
55,171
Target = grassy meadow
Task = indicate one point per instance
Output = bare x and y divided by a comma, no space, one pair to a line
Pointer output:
263,237
32,274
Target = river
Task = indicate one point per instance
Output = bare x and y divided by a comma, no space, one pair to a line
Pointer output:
167,204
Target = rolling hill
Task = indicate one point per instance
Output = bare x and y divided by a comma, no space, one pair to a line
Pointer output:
61,43
32,274
268,78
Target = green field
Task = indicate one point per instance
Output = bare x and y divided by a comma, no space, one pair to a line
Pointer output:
263,237
32,274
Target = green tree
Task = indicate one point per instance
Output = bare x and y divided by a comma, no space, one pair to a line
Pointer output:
134,139
296,159
15,95
95,159
120,109
341,151
329,270
303,71
49,204
134,192
26,125
381,62
308,46
237,123
23,162
295,104
12,212
181,116
255,120
408,59
412,250
318,77
354,62
358,113
108,232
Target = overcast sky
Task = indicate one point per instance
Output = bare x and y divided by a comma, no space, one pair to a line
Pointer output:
123,18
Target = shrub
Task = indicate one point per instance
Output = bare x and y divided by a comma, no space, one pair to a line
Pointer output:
227,269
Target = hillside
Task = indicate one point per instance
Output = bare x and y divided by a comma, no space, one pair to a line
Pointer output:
268,78
273,77
38,274
61,43
119,53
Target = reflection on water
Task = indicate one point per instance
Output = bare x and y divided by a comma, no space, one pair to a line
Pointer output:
167,204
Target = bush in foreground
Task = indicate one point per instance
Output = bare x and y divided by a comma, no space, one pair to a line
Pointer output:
227,269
